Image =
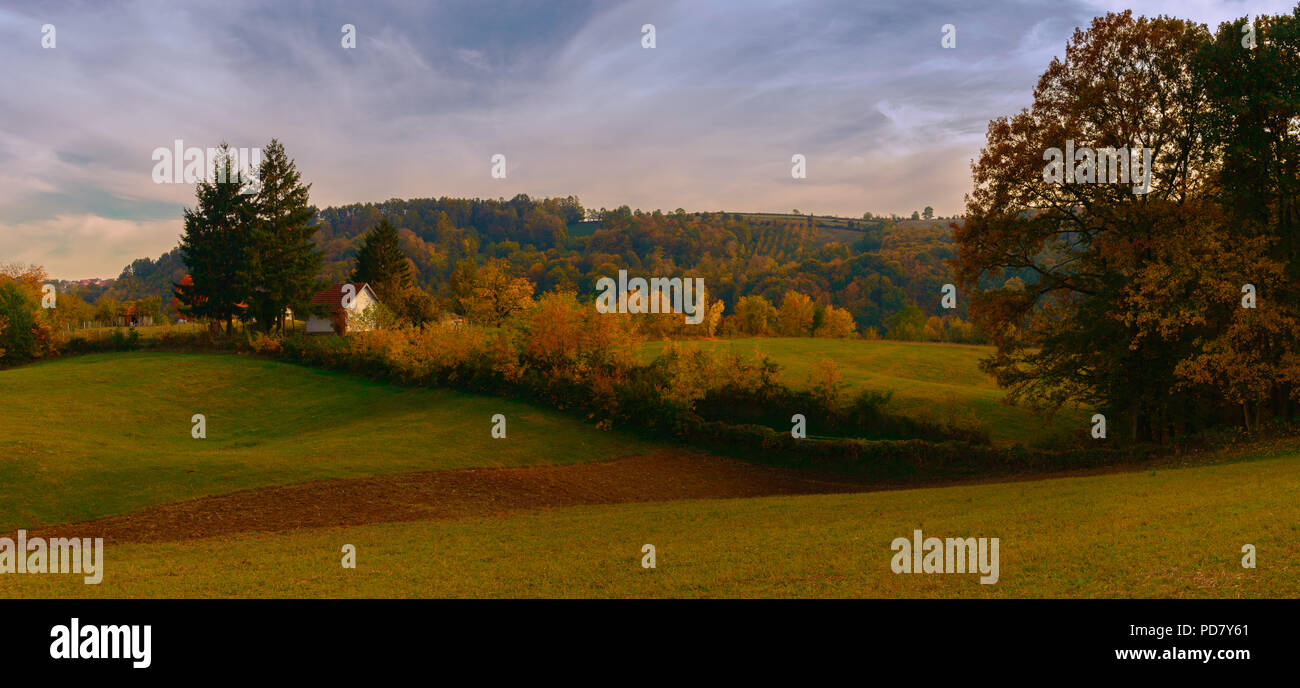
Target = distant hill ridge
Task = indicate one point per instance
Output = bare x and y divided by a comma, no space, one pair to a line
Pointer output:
872,267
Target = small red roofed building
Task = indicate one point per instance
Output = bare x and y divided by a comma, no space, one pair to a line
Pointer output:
343,303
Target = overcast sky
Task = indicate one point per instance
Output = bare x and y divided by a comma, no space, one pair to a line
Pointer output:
707,120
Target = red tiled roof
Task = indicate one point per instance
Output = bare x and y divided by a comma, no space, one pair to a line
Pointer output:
333,296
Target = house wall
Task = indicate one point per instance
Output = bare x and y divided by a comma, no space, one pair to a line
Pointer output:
362,301
317,325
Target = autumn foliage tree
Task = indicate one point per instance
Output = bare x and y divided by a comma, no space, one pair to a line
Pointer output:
795,317
25,331
1132,302
488,294
834,322
754,315
561,332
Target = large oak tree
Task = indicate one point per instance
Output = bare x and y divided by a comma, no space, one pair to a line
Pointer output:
1130,302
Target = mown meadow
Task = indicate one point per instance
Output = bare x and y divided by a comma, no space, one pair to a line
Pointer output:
928,380
1151,533
104,434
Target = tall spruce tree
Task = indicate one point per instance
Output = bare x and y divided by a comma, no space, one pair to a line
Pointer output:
382,264
214,245
285,260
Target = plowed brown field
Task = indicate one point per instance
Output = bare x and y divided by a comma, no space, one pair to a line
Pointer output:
660,476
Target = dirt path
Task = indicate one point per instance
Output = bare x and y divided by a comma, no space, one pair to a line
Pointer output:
661,476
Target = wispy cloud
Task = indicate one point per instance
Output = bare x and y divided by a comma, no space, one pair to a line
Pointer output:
707,120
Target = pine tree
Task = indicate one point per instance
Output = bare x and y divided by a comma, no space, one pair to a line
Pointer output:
285,260
215,245
382,264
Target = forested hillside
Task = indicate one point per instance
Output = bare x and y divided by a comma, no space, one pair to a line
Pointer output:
872,268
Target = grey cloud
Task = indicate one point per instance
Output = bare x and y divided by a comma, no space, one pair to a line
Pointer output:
708,120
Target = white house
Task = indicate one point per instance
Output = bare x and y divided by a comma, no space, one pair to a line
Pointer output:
341,317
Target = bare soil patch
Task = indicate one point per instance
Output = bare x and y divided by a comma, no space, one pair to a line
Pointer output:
660,476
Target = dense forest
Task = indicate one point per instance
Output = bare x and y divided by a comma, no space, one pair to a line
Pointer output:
873,268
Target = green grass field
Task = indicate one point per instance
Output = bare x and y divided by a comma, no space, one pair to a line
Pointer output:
926,379
107,434
1167,533
101,435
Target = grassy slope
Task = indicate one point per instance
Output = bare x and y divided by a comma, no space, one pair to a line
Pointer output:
107,434
925,378
1169,533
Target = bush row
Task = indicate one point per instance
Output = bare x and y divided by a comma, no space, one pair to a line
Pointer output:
704,401
901,460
